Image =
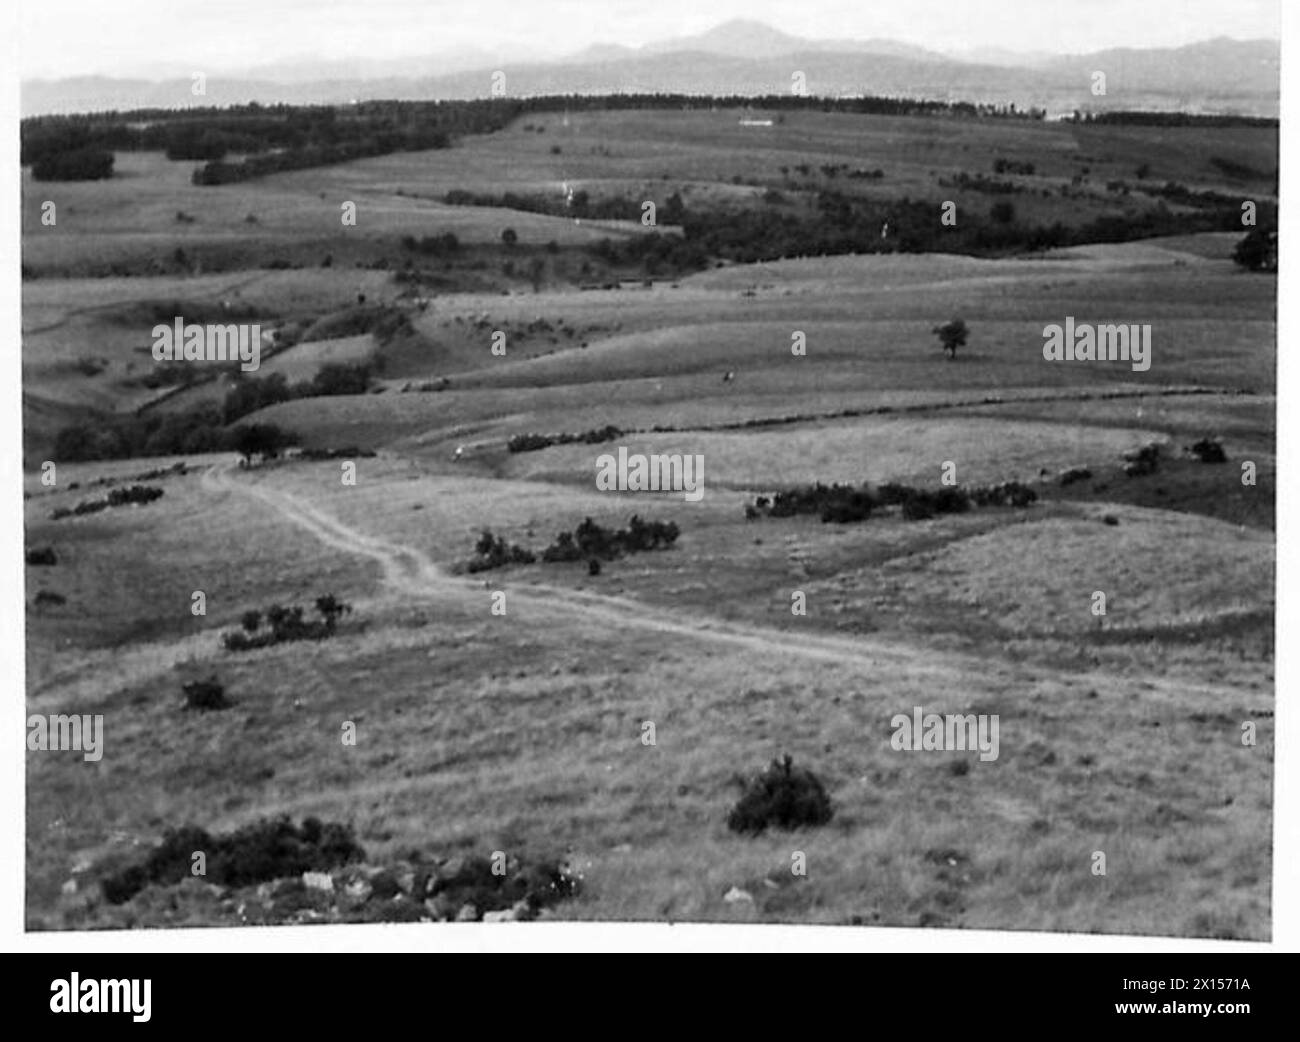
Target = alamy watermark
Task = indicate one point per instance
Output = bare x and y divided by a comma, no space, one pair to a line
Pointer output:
59,733
211,343
932,732
654,473
1083,342
127,995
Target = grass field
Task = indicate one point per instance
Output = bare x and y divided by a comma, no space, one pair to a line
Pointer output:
521,732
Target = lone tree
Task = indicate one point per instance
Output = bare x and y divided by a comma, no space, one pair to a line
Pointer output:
1257,251
952,335
261,439
509,237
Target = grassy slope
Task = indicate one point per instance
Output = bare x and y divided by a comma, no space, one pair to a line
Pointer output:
521,733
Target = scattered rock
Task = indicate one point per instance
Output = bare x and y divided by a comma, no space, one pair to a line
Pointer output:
737,896
467,914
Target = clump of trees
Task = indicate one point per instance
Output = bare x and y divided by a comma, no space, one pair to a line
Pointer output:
492,551
589,541
846,504
1012,166
118,497
533,442
264,440
206,427
286,623
593,541
82,164
201,429
445,245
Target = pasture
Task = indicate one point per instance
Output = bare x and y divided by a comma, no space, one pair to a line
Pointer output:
480,731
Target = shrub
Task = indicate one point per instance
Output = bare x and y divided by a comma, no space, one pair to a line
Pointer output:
286,623
1002,212
205,695
531,442
1257,251
783,796
42,555
1143,461
135,494
494,552
1206,450
265,850
332,609
918,507
1006,494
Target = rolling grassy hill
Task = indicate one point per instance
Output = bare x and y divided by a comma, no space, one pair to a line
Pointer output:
521,731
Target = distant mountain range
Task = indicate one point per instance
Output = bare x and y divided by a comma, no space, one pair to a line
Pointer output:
737,57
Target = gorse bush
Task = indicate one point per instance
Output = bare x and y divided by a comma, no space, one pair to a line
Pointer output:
783,796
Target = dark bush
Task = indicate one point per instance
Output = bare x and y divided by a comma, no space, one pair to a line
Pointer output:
1207,451
783,796
205,694
531,442
1143,461
84,164
42,555
265,850
286,623
1257,251
261,439
494,552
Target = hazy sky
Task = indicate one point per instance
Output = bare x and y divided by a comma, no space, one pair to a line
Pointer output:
155,38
